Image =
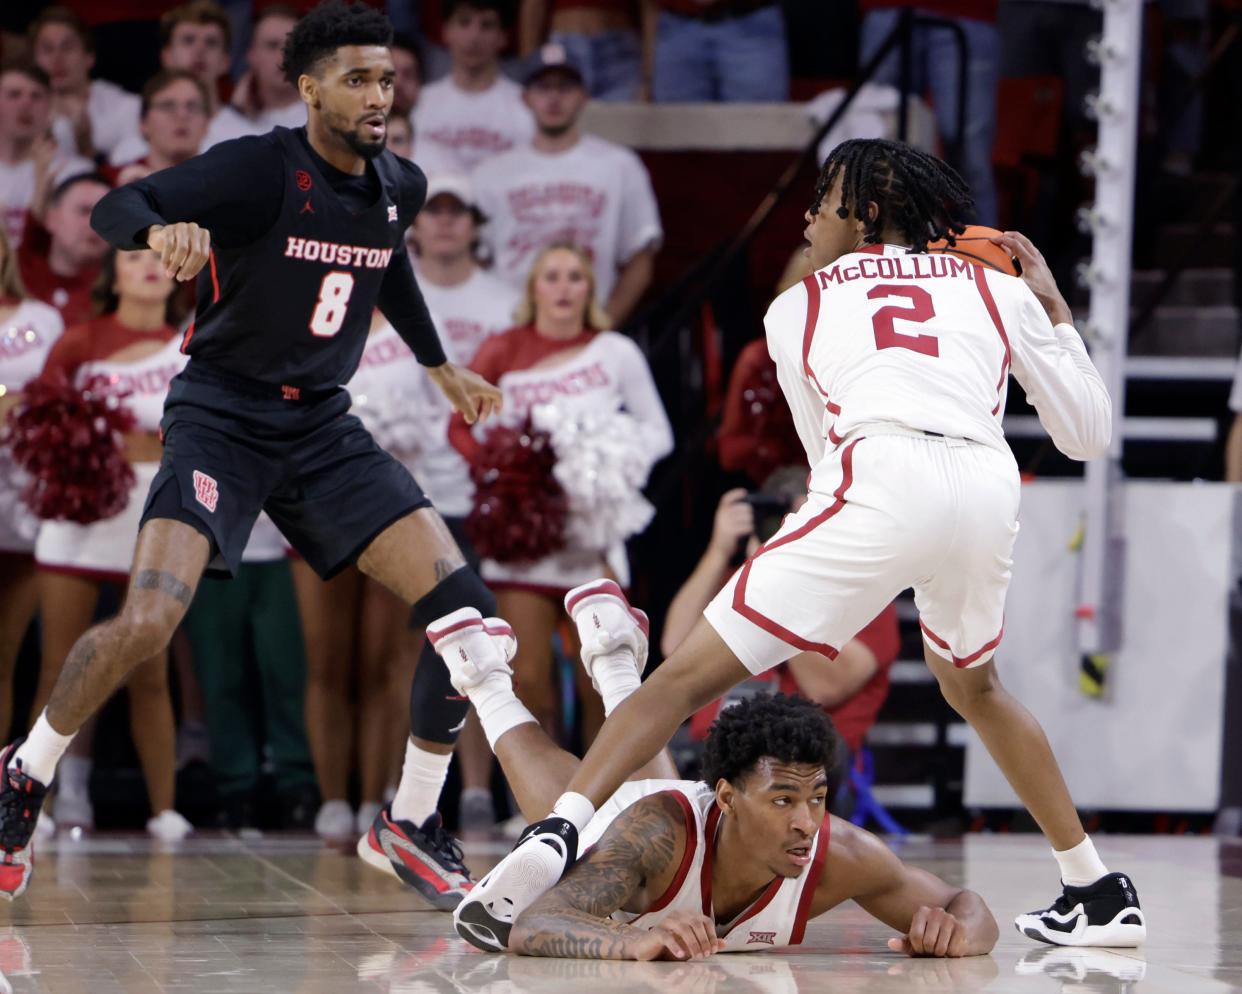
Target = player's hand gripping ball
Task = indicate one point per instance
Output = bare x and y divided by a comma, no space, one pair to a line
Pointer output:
184,248
982,246
471,396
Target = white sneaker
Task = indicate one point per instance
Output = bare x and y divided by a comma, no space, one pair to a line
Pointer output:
169,826
367,811
607,624
335,820
472,646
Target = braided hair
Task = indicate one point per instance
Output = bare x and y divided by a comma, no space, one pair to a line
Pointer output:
917,195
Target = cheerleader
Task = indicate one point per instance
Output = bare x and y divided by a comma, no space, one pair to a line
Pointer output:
132,346
560,353
28,329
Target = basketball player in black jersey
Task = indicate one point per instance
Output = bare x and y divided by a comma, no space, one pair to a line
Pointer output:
294,237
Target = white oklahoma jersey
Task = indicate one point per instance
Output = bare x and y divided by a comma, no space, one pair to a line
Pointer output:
895,366
776,918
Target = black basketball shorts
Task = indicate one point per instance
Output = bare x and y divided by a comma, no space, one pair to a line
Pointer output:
235,447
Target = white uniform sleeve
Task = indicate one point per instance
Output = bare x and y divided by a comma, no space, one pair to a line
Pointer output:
640,215
1061,382
785,324
642,400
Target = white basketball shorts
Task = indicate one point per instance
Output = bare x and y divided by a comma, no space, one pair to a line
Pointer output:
887,510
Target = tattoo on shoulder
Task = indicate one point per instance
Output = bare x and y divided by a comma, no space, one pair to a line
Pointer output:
165,583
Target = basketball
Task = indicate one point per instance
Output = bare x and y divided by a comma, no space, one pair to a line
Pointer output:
973,244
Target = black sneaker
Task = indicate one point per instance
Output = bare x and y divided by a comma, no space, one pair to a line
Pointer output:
1105,913
427,857
542,855
21,798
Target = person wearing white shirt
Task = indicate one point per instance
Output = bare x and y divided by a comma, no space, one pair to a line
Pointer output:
30,161
474,113
174,121
263,95
196,38
91,118
567,186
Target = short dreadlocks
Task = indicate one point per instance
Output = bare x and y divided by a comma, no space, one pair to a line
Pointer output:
779,726
326,28
916,194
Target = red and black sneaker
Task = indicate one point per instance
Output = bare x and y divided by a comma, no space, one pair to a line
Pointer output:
21,798
427,857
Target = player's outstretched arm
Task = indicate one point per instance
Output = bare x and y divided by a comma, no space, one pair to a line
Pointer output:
641,848
933,917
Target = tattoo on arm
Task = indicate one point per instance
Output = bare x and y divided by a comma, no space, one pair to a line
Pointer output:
572,919
166,583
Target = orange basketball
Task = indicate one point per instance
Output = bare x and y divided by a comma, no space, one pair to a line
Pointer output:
973,245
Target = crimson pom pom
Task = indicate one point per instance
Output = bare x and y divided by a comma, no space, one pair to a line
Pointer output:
519,508
69,440
772,427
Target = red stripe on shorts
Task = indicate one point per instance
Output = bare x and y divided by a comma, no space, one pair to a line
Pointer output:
961,661
739,594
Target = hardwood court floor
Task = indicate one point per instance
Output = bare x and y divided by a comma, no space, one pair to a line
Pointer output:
279,914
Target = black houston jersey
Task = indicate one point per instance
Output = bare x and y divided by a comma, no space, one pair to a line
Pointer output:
294,306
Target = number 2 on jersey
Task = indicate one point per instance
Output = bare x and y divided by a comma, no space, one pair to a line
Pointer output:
333,302
921,309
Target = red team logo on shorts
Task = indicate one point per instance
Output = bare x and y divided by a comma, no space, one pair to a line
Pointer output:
206,491
303,180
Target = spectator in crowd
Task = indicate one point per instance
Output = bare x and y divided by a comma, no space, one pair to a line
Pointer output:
852,687
470,305
174,122
28,330
30,160
936,69
565,186
90,117
408,83
195,38
715,50
263,96
1233,443
560,348
601,36
401,136
474,113
251,666
132,345
60,261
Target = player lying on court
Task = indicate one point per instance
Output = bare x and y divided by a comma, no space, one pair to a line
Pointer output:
895,366
678,869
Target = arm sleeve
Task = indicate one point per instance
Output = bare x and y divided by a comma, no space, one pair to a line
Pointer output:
66,355
642,400
234,190
788,311
1061,382
640,215
489,363
402,303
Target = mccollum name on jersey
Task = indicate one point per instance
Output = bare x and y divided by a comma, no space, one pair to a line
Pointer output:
916,266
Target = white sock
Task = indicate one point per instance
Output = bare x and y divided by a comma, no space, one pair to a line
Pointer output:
422,778
497,706
42,750
616,676
575,808
1081,865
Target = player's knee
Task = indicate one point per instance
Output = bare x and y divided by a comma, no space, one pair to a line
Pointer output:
969,691
461,588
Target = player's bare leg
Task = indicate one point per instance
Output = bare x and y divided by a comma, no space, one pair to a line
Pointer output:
702,668
168,561
154,734
417,559
1098,908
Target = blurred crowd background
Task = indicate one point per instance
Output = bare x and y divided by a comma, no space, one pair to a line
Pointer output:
620,179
